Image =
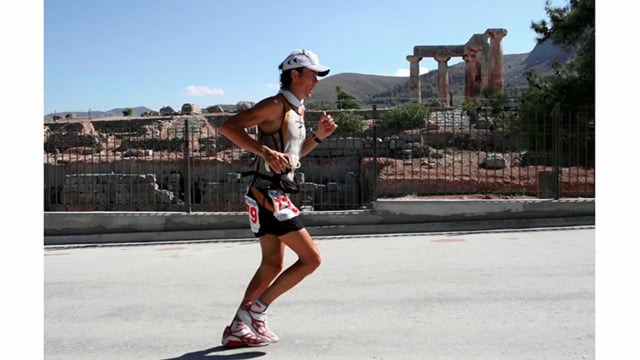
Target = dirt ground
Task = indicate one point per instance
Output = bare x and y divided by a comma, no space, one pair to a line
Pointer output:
463,174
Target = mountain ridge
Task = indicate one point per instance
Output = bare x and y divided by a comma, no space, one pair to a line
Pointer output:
135,111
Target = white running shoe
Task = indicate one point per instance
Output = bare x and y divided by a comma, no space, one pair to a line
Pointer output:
240,335
257,322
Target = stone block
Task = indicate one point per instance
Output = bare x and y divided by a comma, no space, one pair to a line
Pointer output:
494,161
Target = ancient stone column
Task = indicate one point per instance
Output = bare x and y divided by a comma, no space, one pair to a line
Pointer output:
443,79
481,72
477,49
472,75
415,90
496,64
466,59
484,80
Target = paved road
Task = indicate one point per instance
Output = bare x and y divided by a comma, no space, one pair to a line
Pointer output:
487,295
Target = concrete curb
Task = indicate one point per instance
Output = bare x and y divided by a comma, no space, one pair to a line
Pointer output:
386,216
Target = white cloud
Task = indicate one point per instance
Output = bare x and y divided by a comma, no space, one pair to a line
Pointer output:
198,90
273,86
405,72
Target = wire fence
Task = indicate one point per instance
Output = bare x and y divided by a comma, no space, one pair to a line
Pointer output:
182,163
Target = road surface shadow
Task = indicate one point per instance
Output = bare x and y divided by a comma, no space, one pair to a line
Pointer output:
208,354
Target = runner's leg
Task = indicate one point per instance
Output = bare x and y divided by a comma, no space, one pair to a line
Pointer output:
308,260
270,266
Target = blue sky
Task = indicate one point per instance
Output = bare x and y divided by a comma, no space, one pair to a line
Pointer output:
105,54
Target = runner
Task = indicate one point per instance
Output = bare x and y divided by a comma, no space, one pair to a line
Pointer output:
273,218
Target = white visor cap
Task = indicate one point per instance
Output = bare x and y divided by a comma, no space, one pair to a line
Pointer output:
304,58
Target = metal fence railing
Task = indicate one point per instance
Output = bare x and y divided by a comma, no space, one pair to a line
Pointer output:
181,163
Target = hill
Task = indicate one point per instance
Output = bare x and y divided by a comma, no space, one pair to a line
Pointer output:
135,111
361,86
370,89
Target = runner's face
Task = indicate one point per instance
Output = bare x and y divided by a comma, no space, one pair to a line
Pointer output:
308,80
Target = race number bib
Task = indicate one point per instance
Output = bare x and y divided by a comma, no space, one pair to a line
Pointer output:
283,208
252,210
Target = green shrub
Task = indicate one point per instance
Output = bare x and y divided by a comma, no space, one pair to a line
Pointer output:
349,123
404,117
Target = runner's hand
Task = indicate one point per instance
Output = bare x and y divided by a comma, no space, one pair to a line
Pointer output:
326,126
278,162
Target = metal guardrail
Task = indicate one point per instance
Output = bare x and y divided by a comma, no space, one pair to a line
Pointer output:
181,163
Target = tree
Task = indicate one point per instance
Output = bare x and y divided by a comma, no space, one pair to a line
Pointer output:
346,100
127,112
572,27
570,91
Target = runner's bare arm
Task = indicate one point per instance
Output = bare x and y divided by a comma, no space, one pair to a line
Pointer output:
326,127
266,115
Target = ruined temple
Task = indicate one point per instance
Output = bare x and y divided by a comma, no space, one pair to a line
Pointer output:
482,55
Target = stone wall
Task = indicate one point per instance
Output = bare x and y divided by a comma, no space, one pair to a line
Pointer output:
331,181
139,192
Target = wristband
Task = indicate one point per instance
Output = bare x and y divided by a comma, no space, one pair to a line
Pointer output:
317,139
